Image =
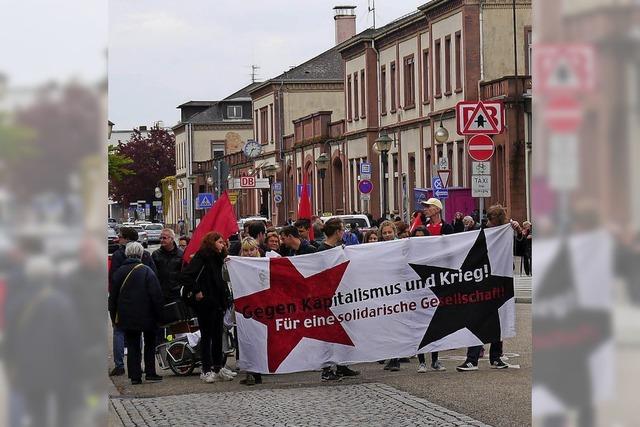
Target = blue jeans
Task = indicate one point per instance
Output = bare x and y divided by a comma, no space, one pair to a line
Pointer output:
118,347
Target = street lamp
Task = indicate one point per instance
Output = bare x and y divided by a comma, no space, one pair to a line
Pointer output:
441,134
382,146
322,163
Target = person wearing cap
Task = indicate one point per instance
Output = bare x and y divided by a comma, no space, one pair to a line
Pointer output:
433,211
436,227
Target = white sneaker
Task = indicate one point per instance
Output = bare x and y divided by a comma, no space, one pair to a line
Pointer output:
228,372
223,376
422,368
209,377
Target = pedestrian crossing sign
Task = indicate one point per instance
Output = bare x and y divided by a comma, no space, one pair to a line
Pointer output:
205,200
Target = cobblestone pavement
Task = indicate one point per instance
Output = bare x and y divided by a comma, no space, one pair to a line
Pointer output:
373,404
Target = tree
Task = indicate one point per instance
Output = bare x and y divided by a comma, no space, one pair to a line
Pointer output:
118,164
153,158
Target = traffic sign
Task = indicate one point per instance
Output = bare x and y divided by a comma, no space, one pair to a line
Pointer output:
443,163
277,187
443,174
481,147
365,186
365,196
441,194
481,168
564,68
205,201
480,185
477,117
436,183
365,168
277,198
564,166
563,114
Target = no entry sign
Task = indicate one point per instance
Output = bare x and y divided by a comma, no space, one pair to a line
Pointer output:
481,148
563,114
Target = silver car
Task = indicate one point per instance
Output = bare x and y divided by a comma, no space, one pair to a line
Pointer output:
143,237
153,231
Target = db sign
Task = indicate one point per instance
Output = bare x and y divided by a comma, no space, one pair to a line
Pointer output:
247,182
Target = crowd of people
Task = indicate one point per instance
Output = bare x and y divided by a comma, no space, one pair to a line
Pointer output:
141,283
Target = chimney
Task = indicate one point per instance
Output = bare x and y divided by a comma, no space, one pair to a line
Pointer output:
345,18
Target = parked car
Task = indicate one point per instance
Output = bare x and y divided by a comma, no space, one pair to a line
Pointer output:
143,237
112,240
154,231
243,221
361,220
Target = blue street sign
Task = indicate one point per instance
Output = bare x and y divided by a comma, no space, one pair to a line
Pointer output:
436,183
365,168
205,200
438,191
299,189
441,194
277,187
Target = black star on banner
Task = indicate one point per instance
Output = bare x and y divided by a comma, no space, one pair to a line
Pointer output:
466,300
565,336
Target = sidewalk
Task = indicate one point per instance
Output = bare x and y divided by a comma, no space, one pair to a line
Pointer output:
522,287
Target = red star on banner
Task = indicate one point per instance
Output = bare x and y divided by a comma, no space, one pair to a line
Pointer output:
299,298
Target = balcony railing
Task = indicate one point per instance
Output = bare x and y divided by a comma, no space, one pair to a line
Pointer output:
506,88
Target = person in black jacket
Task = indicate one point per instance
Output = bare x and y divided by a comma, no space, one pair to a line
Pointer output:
135,306
168,261
203,275
292,240
126,235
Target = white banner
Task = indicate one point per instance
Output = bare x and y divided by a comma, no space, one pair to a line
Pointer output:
374,301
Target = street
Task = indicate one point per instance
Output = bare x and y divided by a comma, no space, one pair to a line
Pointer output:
376,397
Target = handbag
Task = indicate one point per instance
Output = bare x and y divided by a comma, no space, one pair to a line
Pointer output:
187,294
122,287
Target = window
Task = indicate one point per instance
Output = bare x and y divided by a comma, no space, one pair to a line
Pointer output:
273,130
425,75
393,87
458,61
356,104
264,125
349,114
363,105
447,65
437,69
427,167
383,90
409,82
528,40
255,126
396,175
217,149
234,111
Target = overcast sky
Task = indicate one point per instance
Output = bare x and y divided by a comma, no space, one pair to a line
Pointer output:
166,52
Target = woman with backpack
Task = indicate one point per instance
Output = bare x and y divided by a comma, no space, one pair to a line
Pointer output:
210,298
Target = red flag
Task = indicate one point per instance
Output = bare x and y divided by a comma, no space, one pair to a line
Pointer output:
417,222
304,206
220,218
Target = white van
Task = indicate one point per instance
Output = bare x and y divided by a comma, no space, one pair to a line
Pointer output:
361,220
243,221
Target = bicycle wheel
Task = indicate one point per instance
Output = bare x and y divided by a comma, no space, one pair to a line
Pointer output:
181,358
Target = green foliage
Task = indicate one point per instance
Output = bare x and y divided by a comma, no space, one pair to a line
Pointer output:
118,164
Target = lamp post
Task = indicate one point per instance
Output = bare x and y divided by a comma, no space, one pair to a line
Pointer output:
442,135
270,171
322,163
382,146
192,214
